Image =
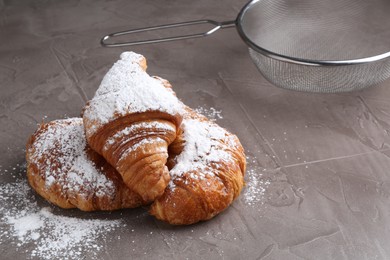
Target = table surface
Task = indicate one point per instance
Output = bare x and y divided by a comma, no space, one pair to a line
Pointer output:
318,181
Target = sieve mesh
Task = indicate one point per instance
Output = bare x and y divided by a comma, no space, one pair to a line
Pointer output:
320,29
322,79
315,31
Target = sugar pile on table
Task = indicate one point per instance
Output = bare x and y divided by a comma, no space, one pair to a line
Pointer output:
38,232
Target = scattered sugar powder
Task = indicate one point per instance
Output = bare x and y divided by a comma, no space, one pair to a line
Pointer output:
210,112
41,234
256,185
127,88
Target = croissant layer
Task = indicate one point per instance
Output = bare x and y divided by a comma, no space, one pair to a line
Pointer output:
207,168
131,121
64,170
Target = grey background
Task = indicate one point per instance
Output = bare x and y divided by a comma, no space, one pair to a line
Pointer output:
326,156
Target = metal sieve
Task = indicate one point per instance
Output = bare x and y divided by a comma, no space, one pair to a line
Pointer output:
307,45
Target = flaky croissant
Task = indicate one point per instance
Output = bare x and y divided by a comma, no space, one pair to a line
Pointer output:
65,171
207,172
131,121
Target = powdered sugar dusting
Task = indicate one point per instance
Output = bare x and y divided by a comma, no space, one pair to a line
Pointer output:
84,176
63,145
202,147
144,126
256,184
126,89
42,234
210,112
149,140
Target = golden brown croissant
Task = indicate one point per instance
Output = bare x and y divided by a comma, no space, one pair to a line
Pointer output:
207,172
131,121
65,171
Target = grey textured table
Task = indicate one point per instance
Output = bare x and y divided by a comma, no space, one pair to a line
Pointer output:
318,181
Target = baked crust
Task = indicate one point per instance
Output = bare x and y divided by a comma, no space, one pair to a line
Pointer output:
202,186
64,170
131,121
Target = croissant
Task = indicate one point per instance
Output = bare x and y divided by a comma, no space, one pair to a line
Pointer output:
207,166
65,171
131,121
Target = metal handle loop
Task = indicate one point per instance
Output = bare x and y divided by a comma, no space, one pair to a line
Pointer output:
218,25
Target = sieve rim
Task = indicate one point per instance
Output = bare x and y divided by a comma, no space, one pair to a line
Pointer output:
296,60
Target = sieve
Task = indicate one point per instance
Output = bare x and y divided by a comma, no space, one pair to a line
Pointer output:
324,46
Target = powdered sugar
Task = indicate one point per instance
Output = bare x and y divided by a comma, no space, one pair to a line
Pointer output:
26,225
126,89
42,234
84,177
256,184
202,147
149,140
66,165
210,112
144,126
255,187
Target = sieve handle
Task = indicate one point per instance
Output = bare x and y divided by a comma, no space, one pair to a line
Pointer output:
217,26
